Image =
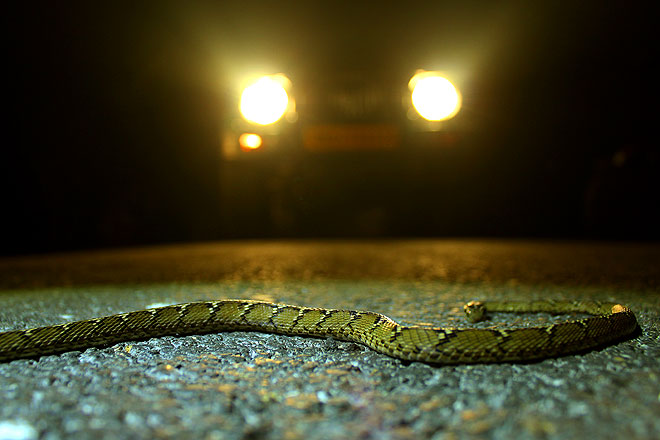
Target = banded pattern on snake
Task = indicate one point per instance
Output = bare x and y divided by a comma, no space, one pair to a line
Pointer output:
611,322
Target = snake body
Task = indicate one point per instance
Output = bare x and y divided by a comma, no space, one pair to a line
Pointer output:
611,322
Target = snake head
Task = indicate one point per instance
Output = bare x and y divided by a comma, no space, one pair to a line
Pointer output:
475,311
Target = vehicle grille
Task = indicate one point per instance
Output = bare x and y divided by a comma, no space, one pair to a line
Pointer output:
348,100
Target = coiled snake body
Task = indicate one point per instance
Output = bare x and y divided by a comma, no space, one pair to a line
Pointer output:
611,322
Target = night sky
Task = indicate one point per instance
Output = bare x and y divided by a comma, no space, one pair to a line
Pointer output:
113,125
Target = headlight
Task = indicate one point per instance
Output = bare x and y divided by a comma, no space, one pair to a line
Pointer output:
435,98
265,100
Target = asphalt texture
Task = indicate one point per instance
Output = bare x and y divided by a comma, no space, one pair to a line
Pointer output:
261,386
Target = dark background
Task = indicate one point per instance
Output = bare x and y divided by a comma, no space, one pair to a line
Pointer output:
114,111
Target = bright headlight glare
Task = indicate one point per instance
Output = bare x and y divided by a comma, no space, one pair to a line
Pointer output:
264,101
434,97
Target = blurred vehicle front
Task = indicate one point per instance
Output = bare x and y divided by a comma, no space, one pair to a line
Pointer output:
336,152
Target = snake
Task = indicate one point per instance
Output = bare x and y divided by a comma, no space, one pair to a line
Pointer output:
608,323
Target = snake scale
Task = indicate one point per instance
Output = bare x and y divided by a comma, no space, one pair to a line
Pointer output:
611,322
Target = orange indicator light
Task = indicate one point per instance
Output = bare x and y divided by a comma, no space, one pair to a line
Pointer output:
249,141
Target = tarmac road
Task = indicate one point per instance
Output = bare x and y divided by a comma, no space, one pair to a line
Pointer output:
252,385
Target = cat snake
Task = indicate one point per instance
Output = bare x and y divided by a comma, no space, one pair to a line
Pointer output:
610,322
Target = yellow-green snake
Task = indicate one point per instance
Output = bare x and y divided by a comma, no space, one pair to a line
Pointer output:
611,322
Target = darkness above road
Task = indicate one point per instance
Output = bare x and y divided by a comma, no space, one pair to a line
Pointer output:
116,110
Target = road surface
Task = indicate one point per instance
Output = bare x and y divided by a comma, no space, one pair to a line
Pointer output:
251,385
